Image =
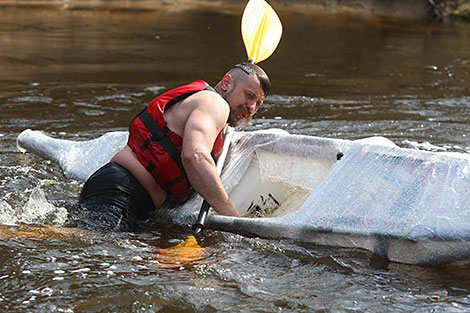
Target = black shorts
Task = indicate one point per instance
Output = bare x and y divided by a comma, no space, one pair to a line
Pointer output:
112,199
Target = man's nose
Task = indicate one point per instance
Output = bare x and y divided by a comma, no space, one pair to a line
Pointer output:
251,107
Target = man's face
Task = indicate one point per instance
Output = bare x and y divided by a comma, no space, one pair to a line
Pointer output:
244,97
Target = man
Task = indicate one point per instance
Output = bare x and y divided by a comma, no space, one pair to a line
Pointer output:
169,152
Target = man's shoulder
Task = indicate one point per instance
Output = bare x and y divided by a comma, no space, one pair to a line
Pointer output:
207,98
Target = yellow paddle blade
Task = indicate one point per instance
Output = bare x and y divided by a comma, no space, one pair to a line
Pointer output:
261,30
185,252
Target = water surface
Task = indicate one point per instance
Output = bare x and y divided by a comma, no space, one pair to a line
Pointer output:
78,72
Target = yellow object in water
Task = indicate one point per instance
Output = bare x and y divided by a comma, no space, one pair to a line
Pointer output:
185,252
38,232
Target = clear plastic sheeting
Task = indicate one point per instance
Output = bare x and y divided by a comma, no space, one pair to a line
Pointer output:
78,159
394,192
405,205
297,160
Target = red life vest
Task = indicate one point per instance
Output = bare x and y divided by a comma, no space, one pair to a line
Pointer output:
159,149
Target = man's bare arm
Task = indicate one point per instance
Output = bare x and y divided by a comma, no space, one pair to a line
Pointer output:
201,129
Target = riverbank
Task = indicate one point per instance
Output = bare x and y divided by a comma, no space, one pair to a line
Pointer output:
427,10
430,10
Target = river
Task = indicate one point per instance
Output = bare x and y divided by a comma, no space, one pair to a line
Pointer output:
79,71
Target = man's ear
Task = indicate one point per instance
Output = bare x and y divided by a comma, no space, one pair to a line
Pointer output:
226,82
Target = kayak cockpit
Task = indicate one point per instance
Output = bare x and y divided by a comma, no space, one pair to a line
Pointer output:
280,172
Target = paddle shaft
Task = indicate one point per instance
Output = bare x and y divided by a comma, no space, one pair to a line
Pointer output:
199,226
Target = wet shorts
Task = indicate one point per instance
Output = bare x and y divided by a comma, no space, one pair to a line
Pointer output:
112,199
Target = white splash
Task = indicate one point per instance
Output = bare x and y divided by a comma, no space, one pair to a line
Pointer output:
7,216
39,211
36,211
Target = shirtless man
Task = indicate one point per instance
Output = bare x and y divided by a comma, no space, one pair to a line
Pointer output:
171,149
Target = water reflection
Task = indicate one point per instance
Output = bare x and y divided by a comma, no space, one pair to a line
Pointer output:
80,71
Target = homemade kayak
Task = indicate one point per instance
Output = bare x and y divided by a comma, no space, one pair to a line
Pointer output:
404,205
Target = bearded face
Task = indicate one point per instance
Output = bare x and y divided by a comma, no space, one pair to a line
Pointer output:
244,97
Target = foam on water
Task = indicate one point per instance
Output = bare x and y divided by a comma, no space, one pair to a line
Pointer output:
7,216
37,210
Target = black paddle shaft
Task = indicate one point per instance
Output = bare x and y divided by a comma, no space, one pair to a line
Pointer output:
199,226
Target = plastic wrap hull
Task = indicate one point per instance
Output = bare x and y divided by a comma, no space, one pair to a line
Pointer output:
405,205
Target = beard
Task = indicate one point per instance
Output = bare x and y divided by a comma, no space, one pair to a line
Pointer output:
233,119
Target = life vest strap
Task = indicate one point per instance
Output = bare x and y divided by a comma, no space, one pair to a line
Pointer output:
176,180
184,96
159,135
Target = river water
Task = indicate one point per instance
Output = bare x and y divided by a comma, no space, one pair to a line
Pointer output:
79,71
